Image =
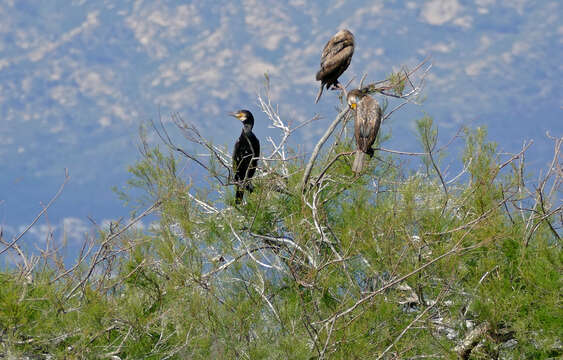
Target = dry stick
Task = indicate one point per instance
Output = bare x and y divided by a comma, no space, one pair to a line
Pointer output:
273,115
45,252
472,222
118,350
541,219
39,215
331,163
418,153
392,283
239,238
521,169
187,128
429,150
19,251
119,281
286,241
319,145
332,195
555,166
235,259
261,293
506,206
463,171
530,219
342,131
401,152
471,340
454,249
328,335
515,156
409,326
81,259
81,256
370,88
544,212
394,109
95,261
163,135
468,305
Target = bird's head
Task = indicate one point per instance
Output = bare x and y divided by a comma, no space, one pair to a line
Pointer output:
245,117
353,98
344,36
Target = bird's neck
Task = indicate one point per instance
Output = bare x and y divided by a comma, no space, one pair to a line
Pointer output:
247,129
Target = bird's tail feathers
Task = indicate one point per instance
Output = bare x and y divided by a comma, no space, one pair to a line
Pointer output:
239,193
358,162
240,189
319,94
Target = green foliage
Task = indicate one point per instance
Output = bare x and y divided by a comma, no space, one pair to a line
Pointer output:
387,263
397,82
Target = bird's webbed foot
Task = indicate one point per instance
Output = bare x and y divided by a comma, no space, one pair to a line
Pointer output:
335,86
338,86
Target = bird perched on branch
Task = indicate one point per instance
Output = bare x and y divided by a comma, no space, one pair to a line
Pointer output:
366,125
335,59
245,154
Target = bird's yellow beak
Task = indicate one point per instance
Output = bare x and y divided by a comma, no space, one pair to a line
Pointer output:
353,106
238,115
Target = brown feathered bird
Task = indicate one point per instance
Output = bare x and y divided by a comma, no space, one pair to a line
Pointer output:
366,125
245,154
335,59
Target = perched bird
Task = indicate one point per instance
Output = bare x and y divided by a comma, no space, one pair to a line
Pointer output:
366,125
335,59
245,154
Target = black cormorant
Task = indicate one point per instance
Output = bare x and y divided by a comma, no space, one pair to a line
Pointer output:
335,59
366,125
245,154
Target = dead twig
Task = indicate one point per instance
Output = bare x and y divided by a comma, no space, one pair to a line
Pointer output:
418,317
453,250
96,260
9,246
318,147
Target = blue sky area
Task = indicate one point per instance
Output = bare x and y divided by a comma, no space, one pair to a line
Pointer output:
77,78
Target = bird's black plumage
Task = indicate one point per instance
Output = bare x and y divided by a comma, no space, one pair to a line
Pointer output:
245,154
335,59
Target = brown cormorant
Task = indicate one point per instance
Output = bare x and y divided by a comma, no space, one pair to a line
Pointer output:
366,125
245,154
335,59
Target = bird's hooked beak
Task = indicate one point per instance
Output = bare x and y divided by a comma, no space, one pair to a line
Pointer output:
353,106
238,115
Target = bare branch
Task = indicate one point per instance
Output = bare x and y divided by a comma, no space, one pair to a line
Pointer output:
453,250
418,317
8,246
319,178
319,145
109,238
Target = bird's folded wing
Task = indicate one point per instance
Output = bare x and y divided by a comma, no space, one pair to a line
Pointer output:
335,60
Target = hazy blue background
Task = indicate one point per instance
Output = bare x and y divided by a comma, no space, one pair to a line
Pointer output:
77,78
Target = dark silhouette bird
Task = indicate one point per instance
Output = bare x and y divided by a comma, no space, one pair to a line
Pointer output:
366,125
335,59
245,154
